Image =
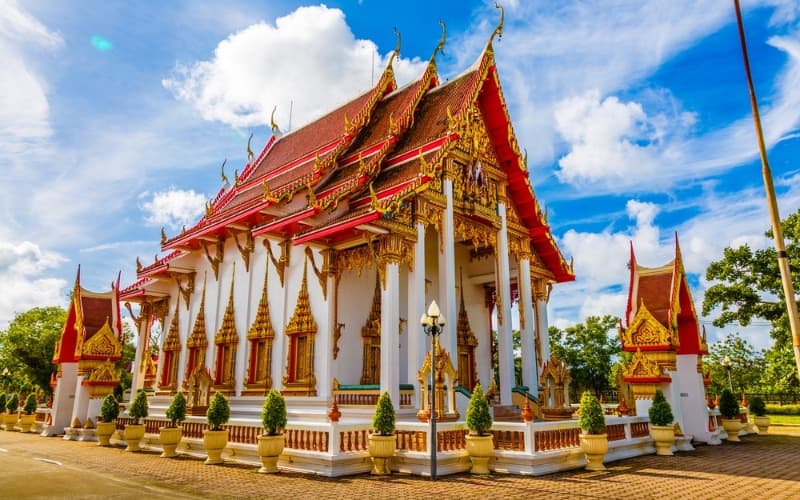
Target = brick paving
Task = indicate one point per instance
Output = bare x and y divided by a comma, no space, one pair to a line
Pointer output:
764,466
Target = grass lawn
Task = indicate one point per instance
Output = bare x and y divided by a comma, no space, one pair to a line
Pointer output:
784,419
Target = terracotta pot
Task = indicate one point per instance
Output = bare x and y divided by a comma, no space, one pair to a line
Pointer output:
762,423
480,449
26,422
732,427
214,443
170,438
269,450
104,432
664,437
10,420
595,447
133,433
381,449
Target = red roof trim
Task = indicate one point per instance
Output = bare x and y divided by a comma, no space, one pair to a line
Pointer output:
322,232
284,221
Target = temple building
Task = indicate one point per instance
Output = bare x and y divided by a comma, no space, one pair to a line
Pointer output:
309,271
663,335
85,355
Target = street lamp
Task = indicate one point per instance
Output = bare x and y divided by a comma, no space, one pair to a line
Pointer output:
433,323
727,363
6,374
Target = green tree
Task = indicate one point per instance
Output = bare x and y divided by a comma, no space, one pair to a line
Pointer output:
748,285
588,349
26,347
746,364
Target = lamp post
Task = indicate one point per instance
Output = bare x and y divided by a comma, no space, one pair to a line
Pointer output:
433,323
727,363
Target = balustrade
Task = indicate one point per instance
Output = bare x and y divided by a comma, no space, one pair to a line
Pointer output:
640,429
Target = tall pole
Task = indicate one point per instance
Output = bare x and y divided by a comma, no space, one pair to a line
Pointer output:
775,219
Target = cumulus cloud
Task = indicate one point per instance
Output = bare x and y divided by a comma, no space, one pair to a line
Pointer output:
24,108
308,60
22,284
173,207
614,141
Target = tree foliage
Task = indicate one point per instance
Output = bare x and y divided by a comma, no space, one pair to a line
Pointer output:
747,365
747,287
27,346
588,349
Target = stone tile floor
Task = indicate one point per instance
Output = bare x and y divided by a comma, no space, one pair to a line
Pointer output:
763,466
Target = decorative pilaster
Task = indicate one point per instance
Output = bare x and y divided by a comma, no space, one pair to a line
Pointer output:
504,342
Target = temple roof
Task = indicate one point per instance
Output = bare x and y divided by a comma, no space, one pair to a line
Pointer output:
89,314
366,158
665,292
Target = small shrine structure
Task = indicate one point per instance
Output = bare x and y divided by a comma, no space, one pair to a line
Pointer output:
85,355
662,332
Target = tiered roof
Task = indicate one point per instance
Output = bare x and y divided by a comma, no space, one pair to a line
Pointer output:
663,294
367,157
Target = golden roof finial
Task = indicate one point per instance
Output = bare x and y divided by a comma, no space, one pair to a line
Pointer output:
440,46
163,236
250,154
272,124
499,29
222,171
396,52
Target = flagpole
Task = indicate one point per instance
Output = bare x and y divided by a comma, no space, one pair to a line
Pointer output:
777,231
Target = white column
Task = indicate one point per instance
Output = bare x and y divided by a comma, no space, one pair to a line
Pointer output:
417,340
530,376
544,338
447,277
324,372
390,323
505,346
63,399
137,378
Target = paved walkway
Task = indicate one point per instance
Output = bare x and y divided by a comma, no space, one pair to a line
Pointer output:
765,466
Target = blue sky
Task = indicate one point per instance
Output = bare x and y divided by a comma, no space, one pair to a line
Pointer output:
115,117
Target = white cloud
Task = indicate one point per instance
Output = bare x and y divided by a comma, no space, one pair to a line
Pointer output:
614,141
22,284
309,60
173,208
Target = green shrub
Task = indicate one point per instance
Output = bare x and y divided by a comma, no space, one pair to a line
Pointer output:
273,413
176,413
660,412
30,404
757,407
139,408
783,409
218,412
2,402
383,421
728,406
592,419
12,403
479,415
109,410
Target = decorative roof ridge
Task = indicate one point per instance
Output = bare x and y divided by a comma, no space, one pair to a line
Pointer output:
140,269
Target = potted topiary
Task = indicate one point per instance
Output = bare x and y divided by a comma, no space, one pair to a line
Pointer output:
729,409
170,435
594,439
270,444
480,442
12,404
28,417
135,432
215,439
382,442
661,429
109,411
758,409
